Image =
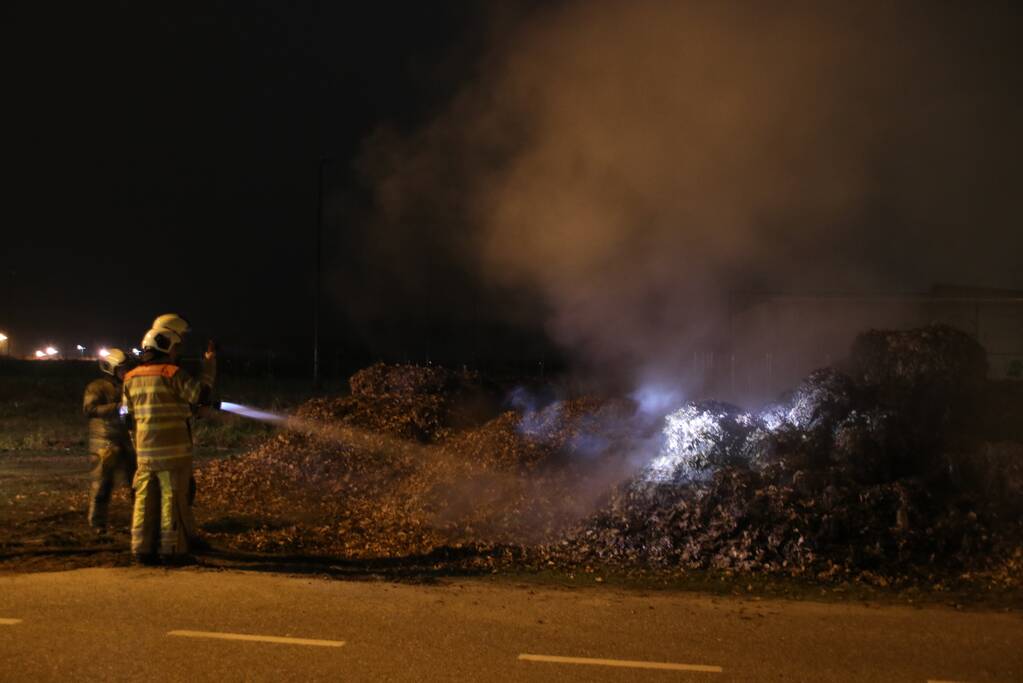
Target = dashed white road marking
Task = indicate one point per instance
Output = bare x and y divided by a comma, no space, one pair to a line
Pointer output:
9,622
257,638
623,663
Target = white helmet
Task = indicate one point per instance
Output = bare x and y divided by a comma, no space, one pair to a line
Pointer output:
173,322
114,359
160,339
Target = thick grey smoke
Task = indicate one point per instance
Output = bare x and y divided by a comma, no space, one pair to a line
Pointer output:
629,164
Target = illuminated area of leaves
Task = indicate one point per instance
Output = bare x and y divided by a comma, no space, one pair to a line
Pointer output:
698,438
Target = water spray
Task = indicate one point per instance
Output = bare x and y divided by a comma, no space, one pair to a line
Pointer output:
342,434
252,413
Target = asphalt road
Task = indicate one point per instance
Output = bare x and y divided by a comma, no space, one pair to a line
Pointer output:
185,625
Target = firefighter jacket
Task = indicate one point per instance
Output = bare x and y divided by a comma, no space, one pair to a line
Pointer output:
101,404
159,399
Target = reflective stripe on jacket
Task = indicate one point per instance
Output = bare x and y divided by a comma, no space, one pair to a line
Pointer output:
160,398
100,404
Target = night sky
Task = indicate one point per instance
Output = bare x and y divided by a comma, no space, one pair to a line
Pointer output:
166,158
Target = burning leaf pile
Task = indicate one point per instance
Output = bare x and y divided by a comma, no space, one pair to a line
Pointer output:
869,472
386,473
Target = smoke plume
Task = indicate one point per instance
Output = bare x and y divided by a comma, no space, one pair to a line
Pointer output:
630,164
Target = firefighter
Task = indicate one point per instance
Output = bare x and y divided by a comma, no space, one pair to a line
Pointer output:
177,324
159,398
110,448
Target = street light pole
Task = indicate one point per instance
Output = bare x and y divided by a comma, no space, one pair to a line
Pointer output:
318,241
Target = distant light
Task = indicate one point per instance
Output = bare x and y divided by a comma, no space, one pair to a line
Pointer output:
50,351
80,347
3,337
40,354
136,352
103,353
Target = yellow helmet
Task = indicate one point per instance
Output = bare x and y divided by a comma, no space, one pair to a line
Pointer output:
114,359
173,322
160,339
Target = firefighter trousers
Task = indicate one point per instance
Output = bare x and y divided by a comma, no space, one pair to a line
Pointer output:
162,521
107,462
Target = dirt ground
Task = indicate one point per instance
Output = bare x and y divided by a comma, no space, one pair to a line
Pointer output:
44,464
43,499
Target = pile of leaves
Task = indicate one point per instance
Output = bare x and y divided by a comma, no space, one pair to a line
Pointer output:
382,379
385,475
701,438
838,478
419,417
903,365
